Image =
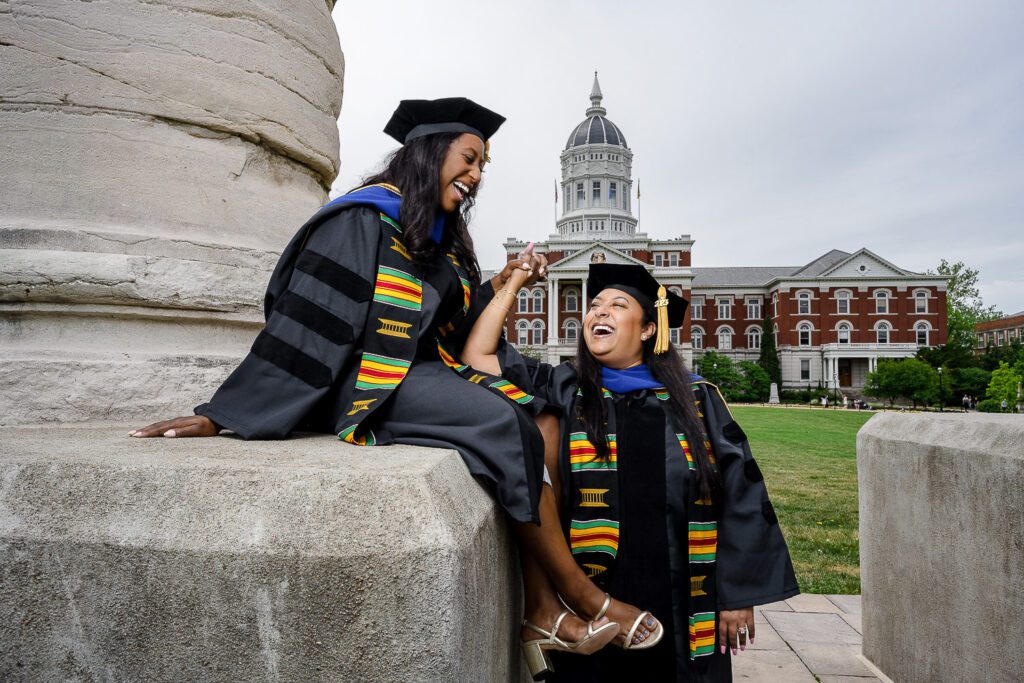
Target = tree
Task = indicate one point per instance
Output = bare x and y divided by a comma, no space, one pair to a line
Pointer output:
723,373
964,307
908,378
970,381
769,358
757,385
1003,386
994,355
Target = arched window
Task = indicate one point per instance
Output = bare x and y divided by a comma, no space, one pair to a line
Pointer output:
882,331
724,338
775,334
775,305
921,301
843,302
524,301
572,329
881,301
522,333
538,301
697,334
921,331
754,338
572,301
843,332
804,333
538,333
803,305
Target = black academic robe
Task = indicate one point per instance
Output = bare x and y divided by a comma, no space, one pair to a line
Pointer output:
753,565
302,370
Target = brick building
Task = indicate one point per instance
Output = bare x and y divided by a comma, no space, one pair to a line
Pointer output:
1002,332
832,318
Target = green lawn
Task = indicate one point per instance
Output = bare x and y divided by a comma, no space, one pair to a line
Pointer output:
809,461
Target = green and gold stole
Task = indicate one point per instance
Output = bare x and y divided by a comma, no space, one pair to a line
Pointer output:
392,332
595,515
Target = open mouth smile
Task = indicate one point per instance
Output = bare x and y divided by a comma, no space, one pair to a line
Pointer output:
462,189
601,330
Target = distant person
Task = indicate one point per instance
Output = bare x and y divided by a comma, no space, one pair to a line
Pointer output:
824,401
966,402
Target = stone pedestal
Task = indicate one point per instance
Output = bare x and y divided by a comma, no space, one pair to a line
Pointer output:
156,159
942,544
224,560
773,398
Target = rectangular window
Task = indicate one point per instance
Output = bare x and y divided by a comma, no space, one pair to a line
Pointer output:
697,309
724,309
673,259
659,260
580,197
523,336
612,192
596,193
753,309
922,303
881,303
673,335
805,336
804,304
805,369
922,337
843,303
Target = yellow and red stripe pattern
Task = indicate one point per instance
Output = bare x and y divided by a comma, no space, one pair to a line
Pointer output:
703,542
349,434
594,536
702,634
686,449
583,454
512,391
398,288
381,372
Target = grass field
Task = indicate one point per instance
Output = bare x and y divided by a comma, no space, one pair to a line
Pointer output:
809,462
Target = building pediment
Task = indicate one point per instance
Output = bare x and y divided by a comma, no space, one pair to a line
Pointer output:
864,263
581,260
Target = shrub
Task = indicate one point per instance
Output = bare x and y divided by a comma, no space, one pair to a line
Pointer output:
989,405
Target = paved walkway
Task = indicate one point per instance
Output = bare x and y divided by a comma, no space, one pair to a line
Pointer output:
804,639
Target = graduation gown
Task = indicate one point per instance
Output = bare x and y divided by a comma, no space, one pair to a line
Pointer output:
651,571
308,370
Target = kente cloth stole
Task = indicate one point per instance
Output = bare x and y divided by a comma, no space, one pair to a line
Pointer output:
392,330
595,514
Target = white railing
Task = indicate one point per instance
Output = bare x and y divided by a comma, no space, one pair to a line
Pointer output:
870,347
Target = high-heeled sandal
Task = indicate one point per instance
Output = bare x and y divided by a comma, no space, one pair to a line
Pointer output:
648,641
536,651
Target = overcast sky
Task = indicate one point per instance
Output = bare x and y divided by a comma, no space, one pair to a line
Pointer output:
770,132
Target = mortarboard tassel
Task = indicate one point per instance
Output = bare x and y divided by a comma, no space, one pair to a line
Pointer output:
661,340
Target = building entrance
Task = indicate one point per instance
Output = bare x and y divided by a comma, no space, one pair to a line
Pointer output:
845,373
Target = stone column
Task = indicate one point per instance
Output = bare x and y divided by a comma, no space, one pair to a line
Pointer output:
158,156
552,313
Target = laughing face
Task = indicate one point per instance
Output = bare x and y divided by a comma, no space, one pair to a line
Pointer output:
614,329
460,172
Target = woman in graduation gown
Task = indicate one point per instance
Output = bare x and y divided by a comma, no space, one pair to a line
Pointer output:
367,311
660,499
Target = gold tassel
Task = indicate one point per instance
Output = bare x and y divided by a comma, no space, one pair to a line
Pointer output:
661,341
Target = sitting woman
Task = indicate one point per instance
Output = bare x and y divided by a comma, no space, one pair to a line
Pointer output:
661,501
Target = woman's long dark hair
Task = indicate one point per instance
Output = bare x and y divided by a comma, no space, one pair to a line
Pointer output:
669,369
415,169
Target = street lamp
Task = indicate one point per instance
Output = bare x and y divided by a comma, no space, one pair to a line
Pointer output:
940,389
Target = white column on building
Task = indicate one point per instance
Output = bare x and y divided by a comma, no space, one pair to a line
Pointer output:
552,312
583,301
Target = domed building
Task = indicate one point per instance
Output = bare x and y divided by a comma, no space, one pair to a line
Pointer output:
832,318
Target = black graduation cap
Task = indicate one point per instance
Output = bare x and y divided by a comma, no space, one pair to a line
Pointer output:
667,308
416,118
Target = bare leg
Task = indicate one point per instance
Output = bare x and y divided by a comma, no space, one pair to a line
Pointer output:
548,567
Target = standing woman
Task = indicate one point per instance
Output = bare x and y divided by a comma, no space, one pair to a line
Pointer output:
661,501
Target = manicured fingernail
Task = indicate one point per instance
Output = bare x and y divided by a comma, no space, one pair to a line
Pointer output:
723,649
170,433
133,433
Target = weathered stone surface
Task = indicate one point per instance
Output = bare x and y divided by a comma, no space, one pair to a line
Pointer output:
225,560
941,544
157,156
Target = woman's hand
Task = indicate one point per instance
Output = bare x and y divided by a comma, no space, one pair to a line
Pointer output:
736,629
535,264
193,425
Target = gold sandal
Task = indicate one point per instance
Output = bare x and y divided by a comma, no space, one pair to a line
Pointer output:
536,651
646,641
